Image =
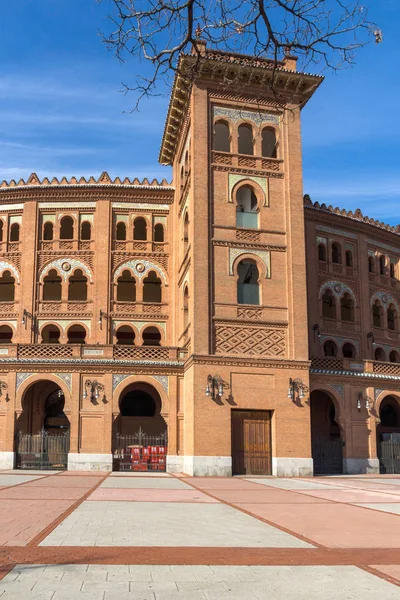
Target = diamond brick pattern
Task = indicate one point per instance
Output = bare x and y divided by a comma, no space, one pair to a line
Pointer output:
253,341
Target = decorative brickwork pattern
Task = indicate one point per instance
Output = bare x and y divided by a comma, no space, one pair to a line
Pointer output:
253,341
249,313
248,236
386,368
45,351
141,353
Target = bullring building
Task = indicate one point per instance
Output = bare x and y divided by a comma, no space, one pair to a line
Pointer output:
221,324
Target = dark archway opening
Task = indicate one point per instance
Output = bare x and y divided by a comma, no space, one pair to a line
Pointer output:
42,429
139,431
325,435
388,435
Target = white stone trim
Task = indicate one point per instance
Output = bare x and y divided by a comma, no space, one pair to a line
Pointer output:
7,460
359,466
174,464
292,467
89,462
208,466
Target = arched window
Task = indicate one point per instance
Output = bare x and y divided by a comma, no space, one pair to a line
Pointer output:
186,233
322,252
336,253
330,348
126,287
348,350
77,286
392,318
245,139
1,230
349,258
371,264
125,336
182,177
14,232
151,337
48,231
221,140
268,142
377,314
121,232
6,334
86,231
393,356
152,288
380,354
7,287
328,305
52,286
140,229
392,271
246,208
76,334
186,162
346,308
247,284
50,335
67,228
382,265
158,233
185,309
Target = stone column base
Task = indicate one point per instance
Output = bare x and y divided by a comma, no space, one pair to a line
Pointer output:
174,464
208,466
359,466
89,462
292,467
7,460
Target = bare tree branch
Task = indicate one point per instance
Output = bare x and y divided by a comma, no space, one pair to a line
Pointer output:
326,33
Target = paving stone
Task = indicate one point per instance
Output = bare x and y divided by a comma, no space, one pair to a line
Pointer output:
7,480
172,524
168,483
292,484
384,507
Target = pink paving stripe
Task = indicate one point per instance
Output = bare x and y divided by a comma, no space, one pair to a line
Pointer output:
263,496
333,525
22,520
391,570
150,495
23,492
347,495
67,482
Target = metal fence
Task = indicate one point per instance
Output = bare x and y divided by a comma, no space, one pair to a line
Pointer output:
42,450
140,452
389,456
327,456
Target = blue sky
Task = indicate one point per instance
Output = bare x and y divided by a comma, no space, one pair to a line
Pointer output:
62,112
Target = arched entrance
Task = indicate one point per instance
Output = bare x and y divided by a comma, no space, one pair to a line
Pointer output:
42,428
139,430
388,435
327,446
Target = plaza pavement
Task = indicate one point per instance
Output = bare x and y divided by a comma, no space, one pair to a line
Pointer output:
100,536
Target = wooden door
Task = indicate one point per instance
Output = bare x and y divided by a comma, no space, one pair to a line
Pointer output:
251,442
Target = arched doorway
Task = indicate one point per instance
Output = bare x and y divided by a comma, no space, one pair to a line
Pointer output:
388,435
327,446
139,430
42,428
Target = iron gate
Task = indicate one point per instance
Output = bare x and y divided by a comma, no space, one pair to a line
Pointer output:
328,456
140,452
42,450
389,454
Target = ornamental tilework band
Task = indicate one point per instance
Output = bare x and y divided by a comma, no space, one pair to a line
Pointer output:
122,218
261,181
339,388
66,266
336,231
140,268
63,323
265,256
21,378
117,378
5,266
340,340
385,298
163,379
321,240
235,115
337,288
162,220
67,378
48,218
377,392
141,205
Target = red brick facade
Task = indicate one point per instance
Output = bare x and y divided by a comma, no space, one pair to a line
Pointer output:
123,297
